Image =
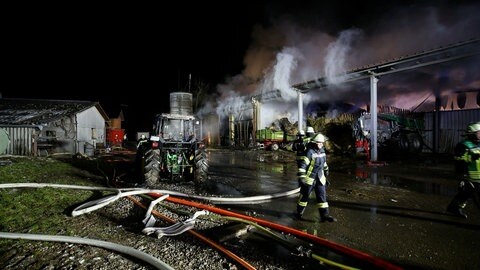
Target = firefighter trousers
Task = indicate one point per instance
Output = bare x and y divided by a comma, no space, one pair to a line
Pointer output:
466,190
320,194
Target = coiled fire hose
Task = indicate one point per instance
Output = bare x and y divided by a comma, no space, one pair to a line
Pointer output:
175,229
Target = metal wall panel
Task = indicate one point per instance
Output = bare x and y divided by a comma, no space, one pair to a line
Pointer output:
452,127
21,140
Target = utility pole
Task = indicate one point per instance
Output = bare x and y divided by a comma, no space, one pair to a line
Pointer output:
300,110
189,81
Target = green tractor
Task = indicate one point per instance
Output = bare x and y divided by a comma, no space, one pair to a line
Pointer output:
399,133
172,152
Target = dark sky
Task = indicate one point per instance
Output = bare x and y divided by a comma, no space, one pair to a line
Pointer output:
94,50
137,54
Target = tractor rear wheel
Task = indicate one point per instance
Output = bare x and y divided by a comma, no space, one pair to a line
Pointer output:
151,170
414,143
200,166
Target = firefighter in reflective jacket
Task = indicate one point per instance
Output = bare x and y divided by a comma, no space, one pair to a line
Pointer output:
467,165
300,144
313,170
143,139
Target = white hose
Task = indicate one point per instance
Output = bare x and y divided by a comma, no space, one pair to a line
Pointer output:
175,229
122,192
92,242
149,219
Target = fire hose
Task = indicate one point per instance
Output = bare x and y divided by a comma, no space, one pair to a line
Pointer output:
92,242
377,262
96,204
275,236
203,238
79,240
123,192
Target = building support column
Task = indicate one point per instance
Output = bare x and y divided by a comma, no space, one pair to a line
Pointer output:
374,120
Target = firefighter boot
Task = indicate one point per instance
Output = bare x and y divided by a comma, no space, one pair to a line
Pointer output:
456,210
299,213
324,216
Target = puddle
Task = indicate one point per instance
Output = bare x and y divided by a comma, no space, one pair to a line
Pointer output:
250,173
423,184
371,216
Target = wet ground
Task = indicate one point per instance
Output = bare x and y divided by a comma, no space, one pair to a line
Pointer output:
393,211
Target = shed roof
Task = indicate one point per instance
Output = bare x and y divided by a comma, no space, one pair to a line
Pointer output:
39,111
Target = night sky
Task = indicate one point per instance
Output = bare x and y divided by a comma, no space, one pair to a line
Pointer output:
135,55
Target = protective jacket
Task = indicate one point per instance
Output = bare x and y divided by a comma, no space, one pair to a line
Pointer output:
312,166
300,146
467,157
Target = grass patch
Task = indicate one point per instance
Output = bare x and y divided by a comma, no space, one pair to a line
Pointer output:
43,210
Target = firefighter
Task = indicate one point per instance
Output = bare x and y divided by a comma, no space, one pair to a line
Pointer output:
141,140
467,166
313,170
305,141
139,180
300,148
310,134
299,144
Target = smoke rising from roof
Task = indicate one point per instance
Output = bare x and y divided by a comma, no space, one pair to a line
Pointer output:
288,52
337,54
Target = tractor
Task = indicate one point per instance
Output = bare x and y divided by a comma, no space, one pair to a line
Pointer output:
172,152
395,133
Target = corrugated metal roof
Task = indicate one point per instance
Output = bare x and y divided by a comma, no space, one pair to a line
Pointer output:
37,111
435,56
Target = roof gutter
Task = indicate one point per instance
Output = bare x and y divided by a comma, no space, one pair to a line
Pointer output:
40,127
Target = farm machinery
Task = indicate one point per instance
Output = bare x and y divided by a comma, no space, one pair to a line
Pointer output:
399,133
172,151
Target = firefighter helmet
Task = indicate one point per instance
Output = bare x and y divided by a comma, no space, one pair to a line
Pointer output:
310,130
473,127
301,132
319,138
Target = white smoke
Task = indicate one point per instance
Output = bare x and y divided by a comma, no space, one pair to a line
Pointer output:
338,53
278,78
232,103
289,53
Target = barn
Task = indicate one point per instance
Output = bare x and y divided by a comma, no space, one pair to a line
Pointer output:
35,127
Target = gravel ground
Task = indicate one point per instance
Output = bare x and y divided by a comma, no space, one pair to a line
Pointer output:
120,222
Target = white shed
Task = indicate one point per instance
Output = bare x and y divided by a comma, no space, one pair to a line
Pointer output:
42,127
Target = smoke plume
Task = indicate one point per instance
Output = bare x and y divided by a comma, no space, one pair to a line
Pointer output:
287,52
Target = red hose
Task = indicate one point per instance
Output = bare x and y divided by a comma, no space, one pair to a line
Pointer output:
203,238
331,245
